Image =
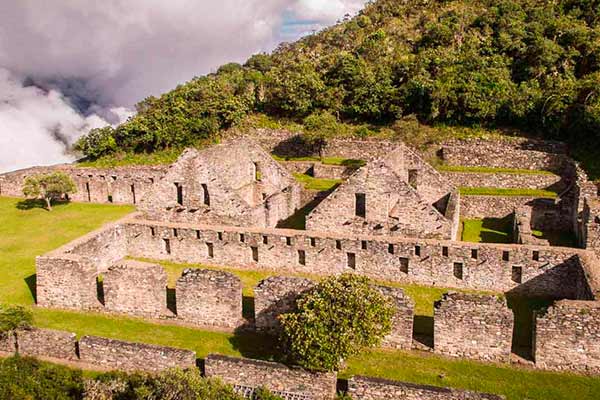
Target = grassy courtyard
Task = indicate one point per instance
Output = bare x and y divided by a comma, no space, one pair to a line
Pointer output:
26,232
487,230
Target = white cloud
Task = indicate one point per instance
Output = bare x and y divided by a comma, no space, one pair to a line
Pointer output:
104,56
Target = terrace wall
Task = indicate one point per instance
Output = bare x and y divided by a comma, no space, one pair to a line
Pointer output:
129,356
473,326
246,375
37,342
364,388
505,180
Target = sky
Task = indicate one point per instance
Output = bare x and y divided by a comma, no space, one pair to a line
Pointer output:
67,66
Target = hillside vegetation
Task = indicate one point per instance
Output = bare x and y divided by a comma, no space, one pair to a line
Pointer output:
525,64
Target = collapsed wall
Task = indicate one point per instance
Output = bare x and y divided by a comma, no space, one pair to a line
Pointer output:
364,388
473,326
247,375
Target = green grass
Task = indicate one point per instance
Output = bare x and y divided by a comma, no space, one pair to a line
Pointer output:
490,170
319,184
160,157
485,191
30,232
487,230
340,161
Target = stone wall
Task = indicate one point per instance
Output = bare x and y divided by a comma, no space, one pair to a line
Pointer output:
567,337
8,342
519,153
473,326
128,356
546,271
402,322
364,388
505,180
136,288
37,342
274,296
590,235
121,185
294,383
207,297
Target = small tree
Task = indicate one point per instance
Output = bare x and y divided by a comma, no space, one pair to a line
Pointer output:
49,187
334,321
14,317
319,127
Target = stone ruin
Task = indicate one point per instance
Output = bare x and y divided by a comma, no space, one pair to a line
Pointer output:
391,196
234,183
473,326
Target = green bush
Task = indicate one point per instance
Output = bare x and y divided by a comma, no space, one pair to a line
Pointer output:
27,378
337,319
49,187
14,317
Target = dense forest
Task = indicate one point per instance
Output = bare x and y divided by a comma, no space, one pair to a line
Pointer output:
526,64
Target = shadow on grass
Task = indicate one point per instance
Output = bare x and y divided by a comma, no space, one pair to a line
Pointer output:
248,307
423,330
31,282
30,204
523,309
298,219
255,345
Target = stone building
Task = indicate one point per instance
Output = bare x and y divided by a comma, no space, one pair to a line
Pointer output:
473,326
590,227
234,183
397,195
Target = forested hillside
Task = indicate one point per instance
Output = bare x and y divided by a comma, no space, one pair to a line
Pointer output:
526,64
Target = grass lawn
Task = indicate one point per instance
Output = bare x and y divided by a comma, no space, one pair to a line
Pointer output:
160,157
319,184
485,191
346,162
487,230
30,232
491,170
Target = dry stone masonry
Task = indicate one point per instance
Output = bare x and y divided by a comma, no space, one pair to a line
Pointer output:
473,326
364,388
37,342
136,288
206,297
293,383
402,321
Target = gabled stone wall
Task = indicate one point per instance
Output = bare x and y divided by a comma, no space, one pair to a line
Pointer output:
403,319
274,296
567,337
473,326
245,373
207,297
136,288
364,388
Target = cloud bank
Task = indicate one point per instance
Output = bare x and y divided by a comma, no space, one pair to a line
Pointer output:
94,59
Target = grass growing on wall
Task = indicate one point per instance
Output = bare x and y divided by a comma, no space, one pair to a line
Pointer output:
318,184
25,233
161,157
339,161
486,191
491,170
487,230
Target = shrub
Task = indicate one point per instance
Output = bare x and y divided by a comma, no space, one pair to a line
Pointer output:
27,378
339,317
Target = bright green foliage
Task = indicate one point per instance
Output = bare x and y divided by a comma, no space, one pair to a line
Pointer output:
27,378
98,142
487,191
319,184
514,63
339,318
49,187
174,384
265,394
14,317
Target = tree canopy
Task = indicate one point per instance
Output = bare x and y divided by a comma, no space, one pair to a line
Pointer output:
526,64
337,319
49,187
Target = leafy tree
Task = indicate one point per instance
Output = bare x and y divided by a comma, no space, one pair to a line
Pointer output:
97,142
49,187
334,321
14,317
